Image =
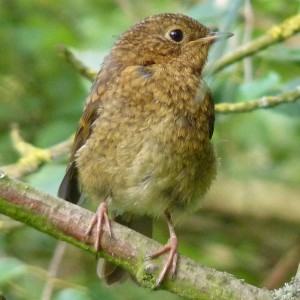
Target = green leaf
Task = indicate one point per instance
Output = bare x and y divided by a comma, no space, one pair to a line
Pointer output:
72,294
282,53
269,84
10,268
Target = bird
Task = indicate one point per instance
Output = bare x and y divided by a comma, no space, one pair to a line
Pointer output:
143,149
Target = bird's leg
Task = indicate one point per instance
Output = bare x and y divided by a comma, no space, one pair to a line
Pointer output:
172,248
98,220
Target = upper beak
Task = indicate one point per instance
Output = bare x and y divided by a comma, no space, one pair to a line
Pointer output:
216,35
211,37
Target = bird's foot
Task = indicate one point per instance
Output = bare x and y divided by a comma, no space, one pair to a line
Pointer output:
171,263
98,220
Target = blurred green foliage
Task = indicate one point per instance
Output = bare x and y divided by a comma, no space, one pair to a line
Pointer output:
45,96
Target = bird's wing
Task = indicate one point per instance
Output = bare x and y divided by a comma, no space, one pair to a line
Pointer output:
211,116
69,188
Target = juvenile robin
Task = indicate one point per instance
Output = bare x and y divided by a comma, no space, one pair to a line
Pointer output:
143,145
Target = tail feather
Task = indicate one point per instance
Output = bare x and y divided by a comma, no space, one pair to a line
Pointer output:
69,189
110,272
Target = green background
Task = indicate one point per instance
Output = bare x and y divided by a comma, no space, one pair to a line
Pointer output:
45,96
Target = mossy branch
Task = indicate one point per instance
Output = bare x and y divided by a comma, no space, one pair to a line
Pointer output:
127,248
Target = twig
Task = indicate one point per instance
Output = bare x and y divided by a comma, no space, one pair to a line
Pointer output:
275,35
290,291
127,7
249,24
283,268
263,102
54,267
127,248
76,63
33,157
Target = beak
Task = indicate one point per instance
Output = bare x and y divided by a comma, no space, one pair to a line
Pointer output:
216,35
211,37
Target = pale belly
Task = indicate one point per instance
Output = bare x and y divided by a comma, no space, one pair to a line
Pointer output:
146,178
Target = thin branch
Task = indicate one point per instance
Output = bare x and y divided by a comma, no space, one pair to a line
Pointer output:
249,24
127,248
283,268
290,291
263,102
82,69
297,277
53,271
127,7
32,157
276,34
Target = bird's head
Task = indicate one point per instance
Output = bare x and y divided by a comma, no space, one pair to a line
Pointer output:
166,39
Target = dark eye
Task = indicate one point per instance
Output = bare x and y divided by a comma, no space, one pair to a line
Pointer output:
176,35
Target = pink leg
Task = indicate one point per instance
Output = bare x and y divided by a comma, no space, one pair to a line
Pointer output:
98,220
172,248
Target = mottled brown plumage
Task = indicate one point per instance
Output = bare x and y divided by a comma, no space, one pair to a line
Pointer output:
143,142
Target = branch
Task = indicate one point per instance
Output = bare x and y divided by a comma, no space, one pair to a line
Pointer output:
69,222
275,35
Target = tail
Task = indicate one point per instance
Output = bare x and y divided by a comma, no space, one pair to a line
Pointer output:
112,273
69,189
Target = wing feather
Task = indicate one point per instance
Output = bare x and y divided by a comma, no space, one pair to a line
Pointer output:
69,188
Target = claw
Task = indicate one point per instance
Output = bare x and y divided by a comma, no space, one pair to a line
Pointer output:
172,248
98,220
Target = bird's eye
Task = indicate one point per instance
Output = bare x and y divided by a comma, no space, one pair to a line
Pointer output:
176,35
